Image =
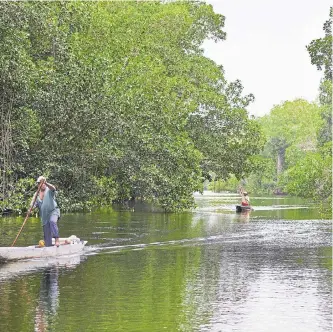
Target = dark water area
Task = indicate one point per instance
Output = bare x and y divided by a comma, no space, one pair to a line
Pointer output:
210,269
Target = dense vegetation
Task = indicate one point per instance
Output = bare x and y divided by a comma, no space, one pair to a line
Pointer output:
113,101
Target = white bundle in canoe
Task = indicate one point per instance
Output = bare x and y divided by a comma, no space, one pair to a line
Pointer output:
67,240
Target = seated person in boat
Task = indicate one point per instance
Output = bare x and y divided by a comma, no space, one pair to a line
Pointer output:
49,211
245,198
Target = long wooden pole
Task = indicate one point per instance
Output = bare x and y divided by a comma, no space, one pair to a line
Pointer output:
29,211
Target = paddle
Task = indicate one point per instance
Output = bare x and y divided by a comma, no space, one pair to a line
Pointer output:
29,211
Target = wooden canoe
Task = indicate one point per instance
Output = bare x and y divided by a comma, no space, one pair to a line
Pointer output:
241,208
68,246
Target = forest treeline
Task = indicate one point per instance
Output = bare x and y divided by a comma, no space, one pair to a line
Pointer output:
297,156
112,101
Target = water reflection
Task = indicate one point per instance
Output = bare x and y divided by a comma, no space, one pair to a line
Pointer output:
206,270
48,302
18,269
243,216
264,207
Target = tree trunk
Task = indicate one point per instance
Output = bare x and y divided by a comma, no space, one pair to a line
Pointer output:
280,167
280,161
6,145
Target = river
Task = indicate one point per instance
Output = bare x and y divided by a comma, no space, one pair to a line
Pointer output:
206,270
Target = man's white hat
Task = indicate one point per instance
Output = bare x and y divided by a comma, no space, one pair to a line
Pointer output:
40,179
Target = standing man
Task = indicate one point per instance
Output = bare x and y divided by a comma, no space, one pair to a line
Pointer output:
49,211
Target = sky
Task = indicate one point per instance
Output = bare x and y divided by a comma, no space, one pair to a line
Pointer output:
266,48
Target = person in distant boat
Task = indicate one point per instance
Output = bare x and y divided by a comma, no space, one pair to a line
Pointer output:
49,211
245,197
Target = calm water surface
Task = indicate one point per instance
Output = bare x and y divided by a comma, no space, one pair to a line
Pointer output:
206,270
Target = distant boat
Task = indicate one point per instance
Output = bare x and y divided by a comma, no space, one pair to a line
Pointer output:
241,208
67,246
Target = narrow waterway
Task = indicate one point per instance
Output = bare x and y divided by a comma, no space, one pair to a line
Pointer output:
206,270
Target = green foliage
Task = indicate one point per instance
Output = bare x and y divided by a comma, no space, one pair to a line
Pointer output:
232,184
311,176
291,130
320,49
291,126
296,157
19,197
223,133
115,100
263,179
290,123
324,134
